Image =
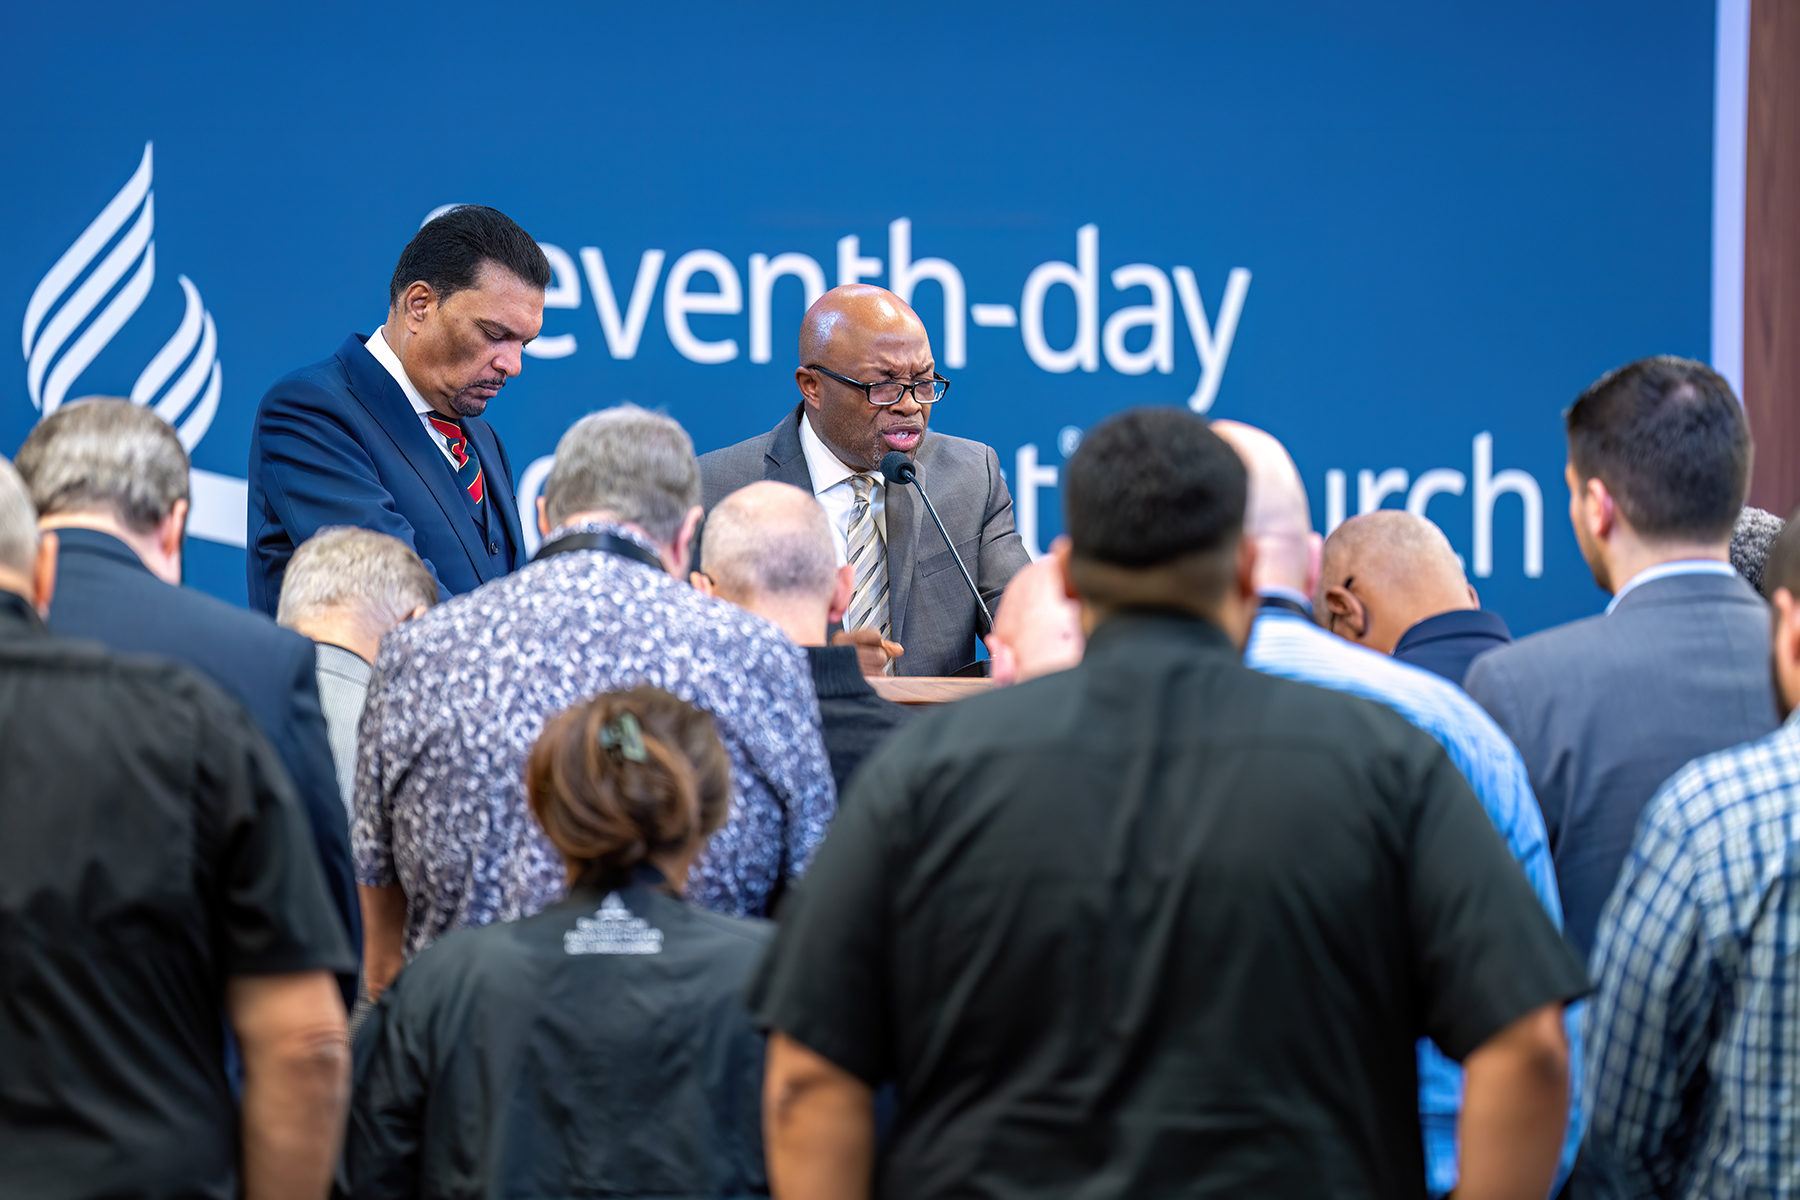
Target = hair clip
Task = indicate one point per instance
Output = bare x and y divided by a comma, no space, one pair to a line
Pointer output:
623,737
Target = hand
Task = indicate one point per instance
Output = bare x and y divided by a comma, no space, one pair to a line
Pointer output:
872,650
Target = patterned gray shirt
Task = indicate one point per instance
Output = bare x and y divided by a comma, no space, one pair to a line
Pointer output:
459,696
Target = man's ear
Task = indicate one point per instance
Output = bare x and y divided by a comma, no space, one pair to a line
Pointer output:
1061,550
417,303
700,583
1315,562
172,529
1246,569
841,591
1344,613
43,574
808,382
684,539
544,526
418,611
1600,509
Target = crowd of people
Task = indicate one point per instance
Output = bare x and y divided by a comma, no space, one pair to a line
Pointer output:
1271,865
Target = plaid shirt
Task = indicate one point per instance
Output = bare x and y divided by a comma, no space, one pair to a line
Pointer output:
1694,1037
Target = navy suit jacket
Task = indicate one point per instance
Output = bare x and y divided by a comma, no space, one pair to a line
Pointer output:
104,592
1604,709
1447,643
337,443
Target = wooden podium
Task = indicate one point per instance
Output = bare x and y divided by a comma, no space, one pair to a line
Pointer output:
927,689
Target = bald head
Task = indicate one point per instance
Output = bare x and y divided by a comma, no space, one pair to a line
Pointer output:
767,548
1383,573
868,334
1038,628
1276,516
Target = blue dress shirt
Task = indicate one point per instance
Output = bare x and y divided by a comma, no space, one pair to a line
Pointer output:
1286,644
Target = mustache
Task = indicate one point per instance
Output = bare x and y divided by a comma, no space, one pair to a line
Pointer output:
496,383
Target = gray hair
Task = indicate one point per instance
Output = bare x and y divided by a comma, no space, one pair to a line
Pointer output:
627,461
1751,542
770,539
105,455
377,578
18,523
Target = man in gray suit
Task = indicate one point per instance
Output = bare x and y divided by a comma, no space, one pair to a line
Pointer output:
1604,709
867,386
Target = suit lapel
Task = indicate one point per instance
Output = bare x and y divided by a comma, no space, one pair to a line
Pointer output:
785,459
377,392
499,479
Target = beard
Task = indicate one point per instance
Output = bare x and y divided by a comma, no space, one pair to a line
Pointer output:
468,404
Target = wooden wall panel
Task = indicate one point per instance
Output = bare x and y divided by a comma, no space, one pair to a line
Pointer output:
1772,254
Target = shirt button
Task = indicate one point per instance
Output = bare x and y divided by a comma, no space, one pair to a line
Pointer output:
493,547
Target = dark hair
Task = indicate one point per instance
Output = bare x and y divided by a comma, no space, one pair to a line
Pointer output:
1669,440
607,811
449,249
1782,568
1151,485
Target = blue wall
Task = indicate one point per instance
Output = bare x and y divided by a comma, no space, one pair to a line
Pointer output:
1452,217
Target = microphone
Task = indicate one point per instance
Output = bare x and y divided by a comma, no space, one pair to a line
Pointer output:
896,467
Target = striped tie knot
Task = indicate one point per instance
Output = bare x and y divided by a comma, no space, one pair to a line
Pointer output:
868,562
468,467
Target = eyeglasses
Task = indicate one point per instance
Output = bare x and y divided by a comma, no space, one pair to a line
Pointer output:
884,394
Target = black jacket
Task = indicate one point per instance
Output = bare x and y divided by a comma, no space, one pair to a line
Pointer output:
104,592
853,718
600,1048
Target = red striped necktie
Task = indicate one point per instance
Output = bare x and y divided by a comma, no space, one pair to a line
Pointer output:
468,467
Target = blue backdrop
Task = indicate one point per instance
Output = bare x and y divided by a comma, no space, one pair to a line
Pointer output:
1400,237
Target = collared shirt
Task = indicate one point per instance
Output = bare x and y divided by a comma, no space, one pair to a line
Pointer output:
1447,643
1694,1036
151,849
831,485
1157,925
1291,595
460,694
1291,647
343,686
384,354
1683,566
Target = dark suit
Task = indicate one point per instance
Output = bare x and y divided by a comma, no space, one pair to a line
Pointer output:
337,443
931,611
1604,709
106,593
853,718
1447,643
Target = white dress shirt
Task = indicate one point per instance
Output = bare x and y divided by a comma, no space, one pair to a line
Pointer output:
832,487
1683,566
384,354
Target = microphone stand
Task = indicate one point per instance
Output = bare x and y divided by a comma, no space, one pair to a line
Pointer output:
896,467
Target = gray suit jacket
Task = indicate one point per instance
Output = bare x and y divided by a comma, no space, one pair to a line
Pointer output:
1605,709
933,615
343,687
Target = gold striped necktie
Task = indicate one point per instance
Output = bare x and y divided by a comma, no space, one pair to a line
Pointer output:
868,561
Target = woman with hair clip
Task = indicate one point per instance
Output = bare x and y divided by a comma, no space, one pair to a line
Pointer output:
601,1047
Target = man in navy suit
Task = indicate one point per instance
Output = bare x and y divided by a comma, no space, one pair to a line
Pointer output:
387,433
111,479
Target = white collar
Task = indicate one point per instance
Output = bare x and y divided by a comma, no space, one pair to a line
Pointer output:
384,354
1681,566
827,469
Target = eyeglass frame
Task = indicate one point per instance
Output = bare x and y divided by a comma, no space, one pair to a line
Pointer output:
911,389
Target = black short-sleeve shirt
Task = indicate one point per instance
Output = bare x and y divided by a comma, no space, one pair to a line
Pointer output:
1160,925
150,847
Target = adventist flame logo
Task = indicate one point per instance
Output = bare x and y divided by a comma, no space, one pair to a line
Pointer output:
60,306
81,304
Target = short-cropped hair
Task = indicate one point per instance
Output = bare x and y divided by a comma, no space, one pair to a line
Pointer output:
105,456
18,523
448,251
1149,486
610,793
1670,442
628,461
374,576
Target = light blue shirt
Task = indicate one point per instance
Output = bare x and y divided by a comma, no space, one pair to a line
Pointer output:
1681,566
1287,645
